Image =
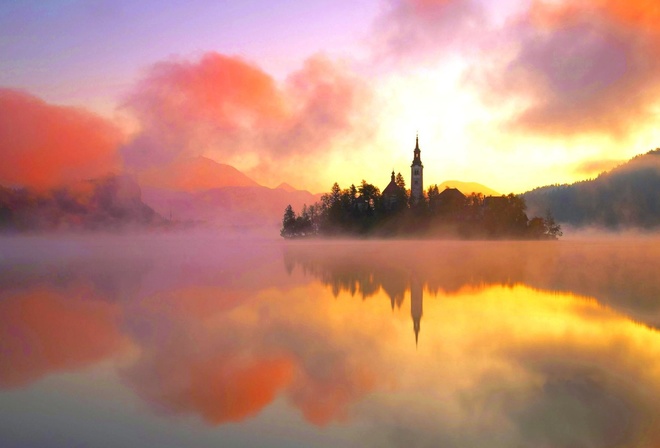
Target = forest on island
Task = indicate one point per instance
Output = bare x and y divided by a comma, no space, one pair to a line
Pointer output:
364,211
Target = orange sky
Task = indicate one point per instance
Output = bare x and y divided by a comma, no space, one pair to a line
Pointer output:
515,95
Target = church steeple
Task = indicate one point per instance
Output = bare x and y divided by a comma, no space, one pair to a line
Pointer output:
417,152
416,305
417,174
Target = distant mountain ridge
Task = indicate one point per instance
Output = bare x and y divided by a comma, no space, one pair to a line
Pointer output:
468,188
233,206
194,175
626,196
286,187
217,195
196,191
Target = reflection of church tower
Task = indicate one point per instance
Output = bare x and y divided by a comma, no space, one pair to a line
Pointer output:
416,299
416,175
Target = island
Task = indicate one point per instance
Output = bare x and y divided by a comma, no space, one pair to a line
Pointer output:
401,212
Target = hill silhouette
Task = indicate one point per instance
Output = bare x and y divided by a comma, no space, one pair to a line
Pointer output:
233,207
286,187
194,175
626,196
217,195
468,188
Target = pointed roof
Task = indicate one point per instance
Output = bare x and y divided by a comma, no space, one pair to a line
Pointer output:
392,188
417,152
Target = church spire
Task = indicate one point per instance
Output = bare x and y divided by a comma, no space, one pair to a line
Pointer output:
416,174
417,152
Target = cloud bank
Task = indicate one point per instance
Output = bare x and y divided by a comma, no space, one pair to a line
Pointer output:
577,68
230,110
421,29
43,145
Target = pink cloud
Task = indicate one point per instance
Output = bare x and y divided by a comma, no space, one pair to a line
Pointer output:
587,67
416,29
227,108
44,145
44,331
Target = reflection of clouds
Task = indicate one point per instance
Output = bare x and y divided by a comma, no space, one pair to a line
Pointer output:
196,356
499,364
228,362
43,331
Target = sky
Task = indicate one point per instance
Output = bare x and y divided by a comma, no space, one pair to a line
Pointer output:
513,94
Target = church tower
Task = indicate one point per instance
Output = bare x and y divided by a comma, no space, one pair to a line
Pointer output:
416,175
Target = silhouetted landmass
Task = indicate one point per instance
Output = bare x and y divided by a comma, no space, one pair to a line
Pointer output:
627,196
468,187
234,207
364,211
109,203
194,174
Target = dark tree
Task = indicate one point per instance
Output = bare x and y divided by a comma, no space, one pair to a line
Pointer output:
552,230
288,223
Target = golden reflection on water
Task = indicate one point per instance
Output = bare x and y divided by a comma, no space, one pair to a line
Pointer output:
502,360
449,348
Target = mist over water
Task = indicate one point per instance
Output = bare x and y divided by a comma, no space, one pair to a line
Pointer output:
206,340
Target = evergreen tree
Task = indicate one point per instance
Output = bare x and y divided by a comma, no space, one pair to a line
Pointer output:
288,223
402,194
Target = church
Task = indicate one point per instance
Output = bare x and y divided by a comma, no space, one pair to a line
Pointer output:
391,196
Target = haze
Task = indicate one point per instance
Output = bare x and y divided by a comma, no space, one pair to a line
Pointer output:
163,280
376,343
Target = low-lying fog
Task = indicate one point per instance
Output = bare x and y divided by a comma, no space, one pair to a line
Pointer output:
376,343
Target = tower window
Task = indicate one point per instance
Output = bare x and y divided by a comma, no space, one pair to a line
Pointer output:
416,172
416,182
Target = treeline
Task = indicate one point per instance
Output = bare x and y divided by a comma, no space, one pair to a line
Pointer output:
364,211
627,196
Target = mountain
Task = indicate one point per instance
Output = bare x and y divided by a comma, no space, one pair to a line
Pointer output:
108,203
468,188
217,195
228,207
627,196
286,187
194,175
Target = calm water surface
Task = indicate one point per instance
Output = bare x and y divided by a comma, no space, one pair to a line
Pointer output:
176,341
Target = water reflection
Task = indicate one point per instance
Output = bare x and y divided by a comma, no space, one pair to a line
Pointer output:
444,344
618,273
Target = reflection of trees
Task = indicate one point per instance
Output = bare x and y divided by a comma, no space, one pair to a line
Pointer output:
621,274
364,268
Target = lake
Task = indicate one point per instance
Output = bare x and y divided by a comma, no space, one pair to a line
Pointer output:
200,340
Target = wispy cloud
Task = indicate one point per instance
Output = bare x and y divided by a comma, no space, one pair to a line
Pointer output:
231,110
